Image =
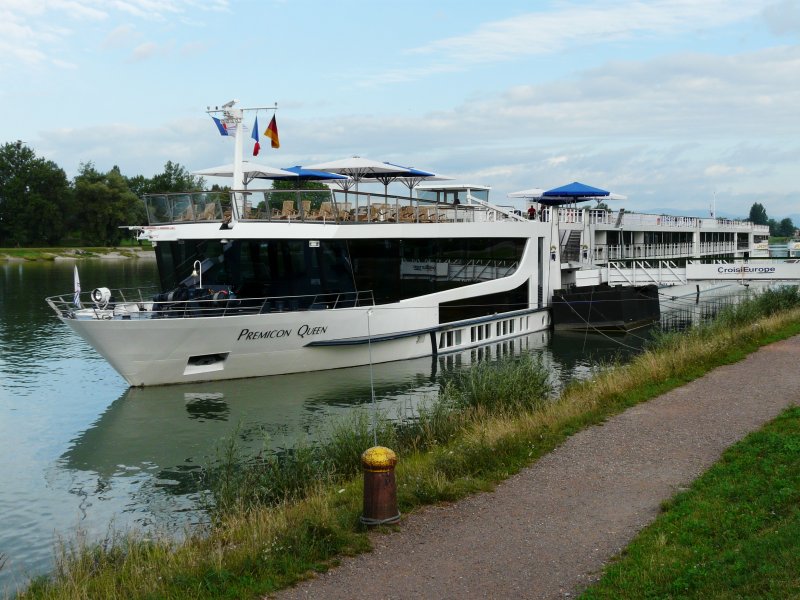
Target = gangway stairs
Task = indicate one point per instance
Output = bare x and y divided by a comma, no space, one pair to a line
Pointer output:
571,249
667,272
642,272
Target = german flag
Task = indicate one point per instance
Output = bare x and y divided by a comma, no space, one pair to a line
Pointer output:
272,133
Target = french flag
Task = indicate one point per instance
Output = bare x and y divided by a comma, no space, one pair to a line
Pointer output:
223,129
254,135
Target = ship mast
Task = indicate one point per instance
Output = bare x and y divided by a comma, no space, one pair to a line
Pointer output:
233,118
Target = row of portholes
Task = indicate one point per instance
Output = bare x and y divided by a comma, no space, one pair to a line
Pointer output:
479,333
497,350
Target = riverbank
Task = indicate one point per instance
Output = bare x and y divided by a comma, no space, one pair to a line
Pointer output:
550,530
260,549
49,254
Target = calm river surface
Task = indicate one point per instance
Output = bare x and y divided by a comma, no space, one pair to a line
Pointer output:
82,451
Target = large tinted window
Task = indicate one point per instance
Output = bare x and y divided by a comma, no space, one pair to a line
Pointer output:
392,269
397,269
176,261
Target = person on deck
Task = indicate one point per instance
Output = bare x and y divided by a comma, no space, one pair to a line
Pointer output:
531,213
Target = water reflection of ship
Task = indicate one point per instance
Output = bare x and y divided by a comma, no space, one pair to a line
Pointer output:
171,432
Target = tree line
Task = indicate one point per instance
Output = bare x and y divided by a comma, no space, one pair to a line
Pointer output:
782,228
40,206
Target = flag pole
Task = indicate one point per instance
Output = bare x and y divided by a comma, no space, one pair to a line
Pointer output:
77,289
236,116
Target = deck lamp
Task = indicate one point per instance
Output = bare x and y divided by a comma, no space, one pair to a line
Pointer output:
197,271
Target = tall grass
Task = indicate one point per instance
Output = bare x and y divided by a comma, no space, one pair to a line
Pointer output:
506,387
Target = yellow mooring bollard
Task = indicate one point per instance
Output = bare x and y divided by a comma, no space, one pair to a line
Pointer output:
380,489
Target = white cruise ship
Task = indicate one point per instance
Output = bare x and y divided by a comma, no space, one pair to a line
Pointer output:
270,282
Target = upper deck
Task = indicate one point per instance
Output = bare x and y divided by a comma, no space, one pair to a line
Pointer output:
449,204
321,207
574,218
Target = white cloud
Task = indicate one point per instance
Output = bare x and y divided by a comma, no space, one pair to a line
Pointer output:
724,170
145,51
783,18
645,129
78,10
37,32
121,37
569,25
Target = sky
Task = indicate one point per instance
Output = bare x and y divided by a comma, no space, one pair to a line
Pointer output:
680,105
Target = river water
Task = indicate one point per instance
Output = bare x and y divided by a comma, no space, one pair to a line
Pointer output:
83,452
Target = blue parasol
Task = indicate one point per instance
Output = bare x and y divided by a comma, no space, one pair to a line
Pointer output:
575,190
572,192
310,174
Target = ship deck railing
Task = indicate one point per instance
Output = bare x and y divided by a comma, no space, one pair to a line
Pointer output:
574,216
139,303
605,252
315,206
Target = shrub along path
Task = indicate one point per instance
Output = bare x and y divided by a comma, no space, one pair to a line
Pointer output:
548,531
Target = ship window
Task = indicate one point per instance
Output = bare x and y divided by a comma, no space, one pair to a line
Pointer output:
392,269
398,269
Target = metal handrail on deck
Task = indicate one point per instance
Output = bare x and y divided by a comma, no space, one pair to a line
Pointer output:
313,206
216,304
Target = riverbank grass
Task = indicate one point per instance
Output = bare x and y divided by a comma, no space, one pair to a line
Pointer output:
264,536
126,249
734,534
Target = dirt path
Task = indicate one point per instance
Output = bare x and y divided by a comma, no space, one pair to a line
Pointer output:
547,532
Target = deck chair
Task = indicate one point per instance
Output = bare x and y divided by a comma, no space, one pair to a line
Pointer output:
306,213
287,212
342,211
407,214
209,212
425,215
188,214
325,212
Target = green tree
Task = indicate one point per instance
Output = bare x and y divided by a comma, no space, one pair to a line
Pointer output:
773,227
293,184
106,203
174,178
758,214
786,228
35,198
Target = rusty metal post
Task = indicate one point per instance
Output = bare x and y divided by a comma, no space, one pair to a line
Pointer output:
380,489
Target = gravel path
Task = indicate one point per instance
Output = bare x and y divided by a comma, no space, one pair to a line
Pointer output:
548,531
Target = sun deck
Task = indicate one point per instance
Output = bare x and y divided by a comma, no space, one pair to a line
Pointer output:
585,236
319,206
